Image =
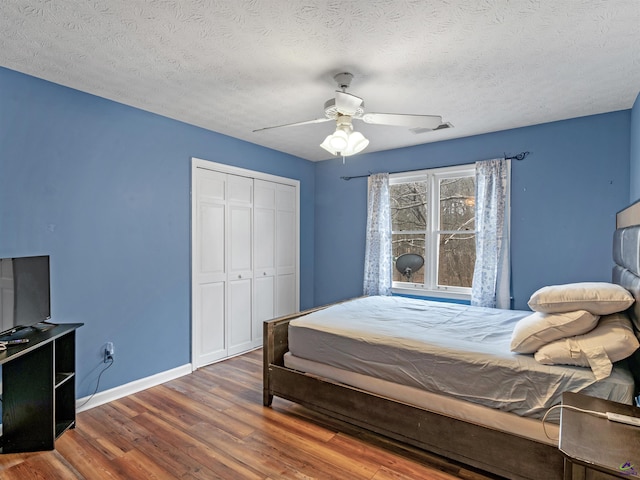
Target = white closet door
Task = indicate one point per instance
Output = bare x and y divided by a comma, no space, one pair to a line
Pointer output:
210,276
240,275
245,257
264,214
286,250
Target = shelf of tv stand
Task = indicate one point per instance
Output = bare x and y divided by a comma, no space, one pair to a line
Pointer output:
39,406
63,377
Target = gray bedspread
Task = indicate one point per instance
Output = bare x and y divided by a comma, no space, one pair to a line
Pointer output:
446,348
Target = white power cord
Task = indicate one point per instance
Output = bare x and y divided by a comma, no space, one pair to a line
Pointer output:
110,360
570,407
613,417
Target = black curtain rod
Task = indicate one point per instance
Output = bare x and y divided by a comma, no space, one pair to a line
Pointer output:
519,156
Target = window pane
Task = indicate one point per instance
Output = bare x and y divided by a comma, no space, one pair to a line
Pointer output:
408,206
457,203
403,243
457,259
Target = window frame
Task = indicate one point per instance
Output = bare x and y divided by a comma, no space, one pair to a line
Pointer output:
433,176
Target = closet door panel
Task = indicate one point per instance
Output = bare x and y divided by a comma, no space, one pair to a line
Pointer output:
212,277
209,267
286,198
211,185
264,194
264,214
240,225
240,240
264,270
286,250
286,295
264,227
239,189
211,339
264,304
239,315
240,258
212,241
285,241
265,241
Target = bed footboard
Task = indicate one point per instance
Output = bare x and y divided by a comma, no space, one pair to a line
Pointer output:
275,345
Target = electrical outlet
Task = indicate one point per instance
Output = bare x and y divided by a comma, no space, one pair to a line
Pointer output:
108,352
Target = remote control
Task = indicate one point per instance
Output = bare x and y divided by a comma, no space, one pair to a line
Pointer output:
17,341
616,417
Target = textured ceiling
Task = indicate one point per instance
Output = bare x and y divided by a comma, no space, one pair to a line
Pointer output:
233,66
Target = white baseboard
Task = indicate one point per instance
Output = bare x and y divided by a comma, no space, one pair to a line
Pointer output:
107,396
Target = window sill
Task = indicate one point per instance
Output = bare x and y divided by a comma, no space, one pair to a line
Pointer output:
432,294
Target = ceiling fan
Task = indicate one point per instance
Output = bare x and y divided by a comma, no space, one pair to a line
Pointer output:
345,107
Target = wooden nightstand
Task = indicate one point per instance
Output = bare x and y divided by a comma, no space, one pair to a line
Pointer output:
595,447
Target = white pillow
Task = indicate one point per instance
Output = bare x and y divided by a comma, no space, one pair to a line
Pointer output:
612,340
538,329
599,298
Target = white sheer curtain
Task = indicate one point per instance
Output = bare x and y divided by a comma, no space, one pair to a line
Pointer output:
491,282
377,259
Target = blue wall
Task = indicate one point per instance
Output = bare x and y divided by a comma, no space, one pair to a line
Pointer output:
105,190
634,153
564,198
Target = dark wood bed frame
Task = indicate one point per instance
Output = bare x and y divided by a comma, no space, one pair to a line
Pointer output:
498,452
494,451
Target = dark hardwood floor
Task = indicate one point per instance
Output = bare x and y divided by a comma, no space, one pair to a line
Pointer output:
211,424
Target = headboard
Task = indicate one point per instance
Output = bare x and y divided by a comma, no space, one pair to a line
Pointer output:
626,271
626,256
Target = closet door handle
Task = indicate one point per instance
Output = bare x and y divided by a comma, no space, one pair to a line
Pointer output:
239,276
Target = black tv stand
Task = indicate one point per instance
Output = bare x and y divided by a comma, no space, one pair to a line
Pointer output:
39,392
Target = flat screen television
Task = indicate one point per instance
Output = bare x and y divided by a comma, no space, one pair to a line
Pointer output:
25,295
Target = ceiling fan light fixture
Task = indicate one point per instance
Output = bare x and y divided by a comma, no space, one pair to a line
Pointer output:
344,142
339,140
336,142
357,143
327,145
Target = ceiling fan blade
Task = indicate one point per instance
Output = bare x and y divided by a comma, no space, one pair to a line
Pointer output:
317,120
400,120
347,104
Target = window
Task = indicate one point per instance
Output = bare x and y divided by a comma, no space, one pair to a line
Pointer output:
433,215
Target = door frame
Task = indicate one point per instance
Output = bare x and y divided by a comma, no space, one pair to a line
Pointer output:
198,163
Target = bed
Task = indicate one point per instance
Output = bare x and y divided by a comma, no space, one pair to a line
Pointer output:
340,362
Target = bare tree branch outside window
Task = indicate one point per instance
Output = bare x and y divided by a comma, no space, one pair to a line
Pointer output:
455,233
